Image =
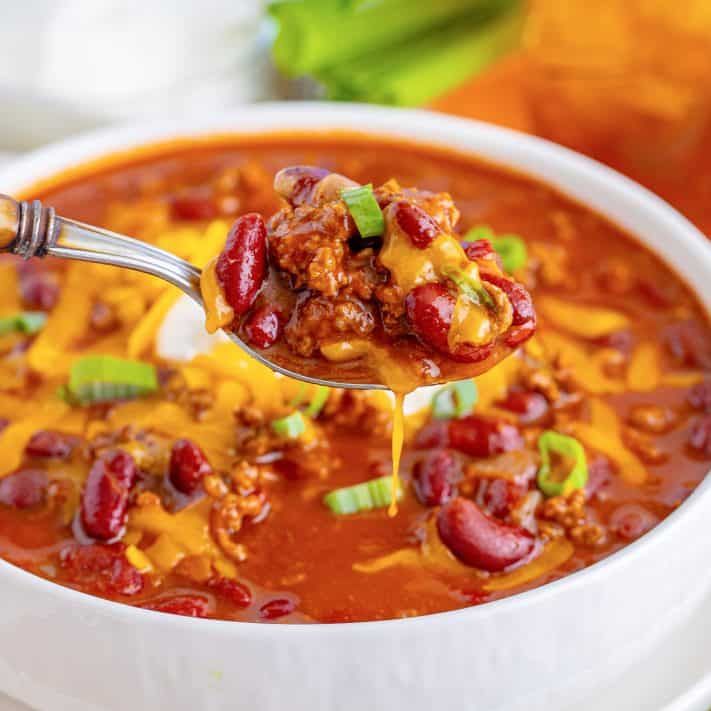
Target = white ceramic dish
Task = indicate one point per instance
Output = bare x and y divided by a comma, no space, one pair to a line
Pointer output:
60,649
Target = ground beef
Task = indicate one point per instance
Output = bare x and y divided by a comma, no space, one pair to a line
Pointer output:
317,319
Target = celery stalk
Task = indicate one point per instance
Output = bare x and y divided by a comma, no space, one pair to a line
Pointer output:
318,34
418,71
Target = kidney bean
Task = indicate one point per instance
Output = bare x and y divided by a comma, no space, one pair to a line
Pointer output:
296,184
104,500
481,250
418,225
699,396
242,265
531,407
46,444
630,521
434,435
700,436
435,477
195,204
480,436
688,343
188,466
39,288
263,327
429,309
185,605
524,315
101,567
498,496
599,475
278,607
24,489
478,540
235,592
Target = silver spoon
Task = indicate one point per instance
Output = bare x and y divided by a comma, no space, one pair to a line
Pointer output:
30,229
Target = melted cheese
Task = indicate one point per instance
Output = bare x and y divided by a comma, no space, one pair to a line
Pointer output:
396,451
218,313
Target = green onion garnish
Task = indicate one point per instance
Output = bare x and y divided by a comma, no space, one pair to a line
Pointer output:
553,444
467,285
317,401
512,250
298,398
22,322
105,378
291,426
373,494
365,210
455,400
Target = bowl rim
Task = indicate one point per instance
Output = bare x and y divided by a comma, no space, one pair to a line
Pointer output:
441,131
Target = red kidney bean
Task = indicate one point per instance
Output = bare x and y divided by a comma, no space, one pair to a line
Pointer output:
688,343
429,309
278,607
699,396
24,489
478,540
622,341
435,477
39,288
296,184
531,407
242,265
103,568
434,435
418,225
481,250
630,521
188,466
105,497
196,204
4,422
46,444
599,476
700,436
480,436
524,315
185,605
232,590
498,496
263,327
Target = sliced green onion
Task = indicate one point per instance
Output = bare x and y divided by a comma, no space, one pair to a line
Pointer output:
365,210
512,250
479,232
291,426
299,397
317,401
570,449
105,378
22,322
373,494
473,288
455,400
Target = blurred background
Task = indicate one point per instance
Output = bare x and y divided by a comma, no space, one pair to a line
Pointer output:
625,81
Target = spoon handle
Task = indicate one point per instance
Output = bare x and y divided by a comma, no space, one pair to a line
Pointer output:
30,229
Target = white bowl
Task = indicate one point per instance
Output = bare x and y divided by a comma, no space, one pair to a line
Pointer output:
60,649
